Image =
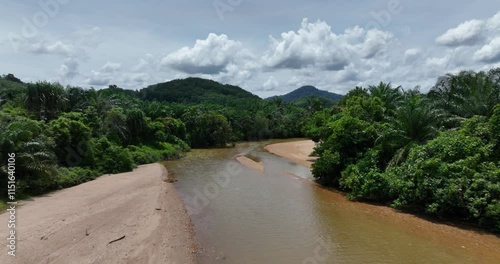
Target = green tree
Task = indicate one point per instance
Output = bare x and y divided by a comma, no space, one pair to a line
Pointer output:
390,96
115,125
72,138
415,121
35,159
467,93
45,100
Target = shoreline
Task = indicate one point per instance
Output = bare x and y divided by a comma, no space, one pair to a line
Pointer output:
79,224
246,161
467,238
295,151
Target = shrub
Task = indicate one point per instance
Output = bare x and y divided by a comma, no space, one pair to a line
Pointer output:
68,177
365,180
112,158
450,177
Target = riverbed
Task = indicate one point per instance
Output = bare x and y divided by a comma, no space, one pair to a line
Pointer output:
243,215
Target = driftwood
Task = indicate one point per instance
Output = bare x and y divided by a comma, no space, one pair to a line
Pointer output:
110,242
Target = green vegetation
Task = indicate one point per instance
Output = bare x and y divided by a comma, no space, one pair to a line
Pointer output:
435,153
64,136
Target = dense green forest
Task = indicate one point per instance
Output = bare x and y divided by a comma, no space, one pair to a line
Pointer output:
63,136
436,153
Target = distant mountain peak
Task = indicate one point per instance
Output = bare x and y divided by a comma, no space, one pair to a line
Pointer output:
308,91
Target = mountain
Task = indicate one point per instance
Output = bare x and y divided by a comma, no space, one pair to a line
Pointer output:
195,90
10,86
308,91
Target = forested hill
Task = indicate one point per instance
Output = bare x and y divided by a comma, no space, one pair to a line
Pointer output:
10,86
194,90
308,91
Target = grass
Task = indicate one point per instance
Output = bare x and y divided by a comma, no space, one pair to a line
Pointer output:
3,205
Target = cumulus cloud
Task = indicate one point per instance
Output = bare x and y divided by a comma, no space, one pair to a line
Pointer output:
102,77
137,78
98,79
348,75
57,48
471,32
467,33
69,69
411,55
489,52
111,67
270,85
375,42
315,45
210,56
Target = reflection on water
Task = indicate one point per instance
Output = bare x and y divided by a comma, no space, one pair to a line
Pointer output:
241,216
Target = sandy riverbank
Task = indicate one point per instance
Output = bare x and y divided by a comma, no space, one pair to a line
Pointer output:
258,166
464,238
75,225
297,151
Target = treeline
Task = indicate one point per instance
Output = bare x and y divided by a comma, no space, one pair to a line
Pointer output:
436,153
63,136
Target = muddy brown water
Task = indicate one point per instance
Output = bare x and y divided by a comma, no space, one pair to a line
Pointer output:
242,216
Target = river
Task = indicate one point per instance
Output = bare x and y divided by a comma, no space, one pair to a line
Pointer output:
241,216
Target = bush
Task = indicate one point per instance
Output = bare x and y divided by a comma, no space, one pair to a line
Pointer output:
112,158
350,139
144,154
365,180
327,168
169,151
68,177
450,177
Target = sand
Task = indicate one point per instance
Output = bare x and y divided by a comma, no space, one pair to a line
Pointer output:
297,151
258,166
75,225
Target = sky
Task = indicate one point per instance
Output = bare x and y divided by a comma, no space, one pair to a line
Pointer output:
265,47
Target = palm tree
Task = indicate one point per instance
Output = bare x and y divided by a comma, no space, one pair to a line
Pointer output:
35,160
101,102
115,124
44,99
77,99
467,93
415,121
391,97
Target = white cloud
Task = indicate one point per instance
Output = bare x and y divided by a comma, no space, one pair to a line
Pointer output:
210,56
57,48
471,32
411,55
493,23
375,42
489,52
111,67
270,85
137,78
98,79
314,45
467,33
69,69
